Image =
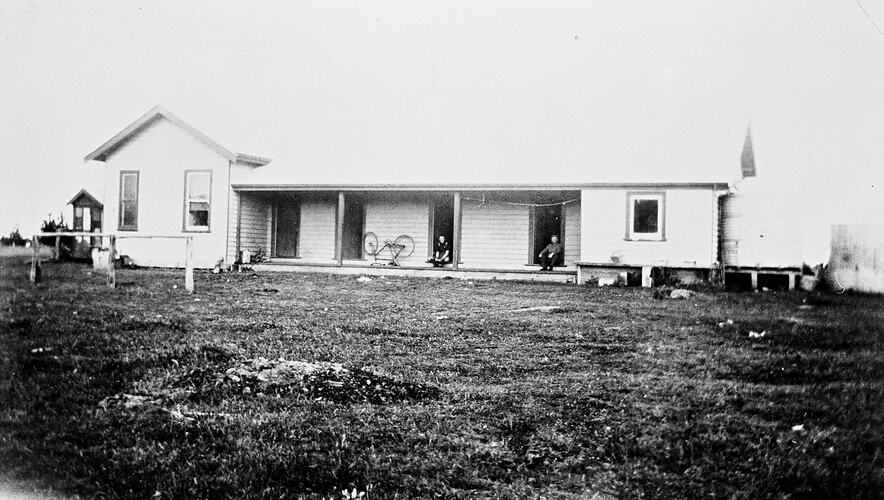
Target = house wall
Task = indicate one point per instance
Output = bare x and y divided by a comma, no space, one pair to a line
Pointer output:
389,218
494,235
162,153
690,229
571,239
255,219
317,233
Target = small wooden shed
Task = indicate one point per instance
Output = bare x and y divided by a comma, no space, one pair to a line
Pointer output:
88,216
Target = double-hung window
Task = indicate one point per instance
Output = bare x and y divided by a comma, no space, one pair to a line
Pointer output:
197,199
645,219
128,200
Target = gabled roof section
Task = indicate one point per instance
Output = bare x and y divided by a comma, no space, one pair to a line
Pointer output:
159,112
84,199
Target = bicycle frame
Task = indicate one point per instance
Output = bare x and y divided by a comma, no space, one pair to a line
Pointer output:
401,247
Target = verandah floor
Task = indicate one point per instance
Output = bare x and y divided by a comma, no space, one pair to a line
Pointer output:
566,275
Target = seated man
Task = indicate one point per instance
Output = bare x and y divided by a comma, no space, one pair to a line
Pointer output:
441,253
551,254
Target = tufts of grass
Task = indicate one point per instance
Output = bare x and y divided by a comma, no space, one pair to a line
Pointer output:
615,395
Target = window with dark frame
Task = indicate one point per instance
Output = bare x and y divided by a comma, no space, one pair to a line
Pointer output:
197,194
128,201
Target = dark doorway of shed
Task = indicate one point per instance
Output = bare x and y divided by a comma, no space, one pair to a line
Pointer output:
288,222
547,223
354,225
443,221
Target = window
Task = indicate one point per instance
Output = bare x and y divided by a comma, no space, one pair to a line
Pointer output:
197,199
129,200
78,218
645,220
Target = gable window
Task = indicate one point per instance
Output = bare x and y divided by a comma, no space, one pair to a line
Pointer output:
646,216
197,199
129,200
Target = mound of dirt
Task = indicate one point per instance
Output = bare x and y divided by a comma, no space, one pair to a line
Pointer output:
312,380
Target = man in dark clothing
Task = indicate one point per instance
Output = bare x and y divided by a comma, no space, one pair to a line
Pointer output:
441,253
551,254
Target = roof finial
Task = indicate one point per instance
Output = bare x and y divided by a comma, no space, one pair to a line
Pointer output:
747,159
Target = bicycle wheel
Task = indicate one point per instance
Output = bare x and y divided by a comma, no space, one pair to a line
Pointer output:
407,245
370,244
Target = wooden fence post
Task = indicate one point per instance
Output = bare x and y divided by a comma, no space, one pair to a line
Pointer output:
36,271
57,249
188,266
111,266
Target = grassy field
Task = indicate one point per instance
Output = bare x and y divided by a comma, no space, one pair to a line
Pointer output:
449,394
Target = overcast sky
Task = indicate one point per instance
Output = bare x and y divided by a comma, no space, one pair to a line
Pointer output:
467,86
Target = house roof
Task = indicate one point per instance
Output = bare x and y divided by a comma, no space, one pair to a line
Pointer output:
682,150
91,201
637,155
149,118
477,186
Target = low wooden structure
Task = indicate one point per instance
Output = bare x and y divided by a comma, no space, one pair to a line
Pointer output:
36,265
762,276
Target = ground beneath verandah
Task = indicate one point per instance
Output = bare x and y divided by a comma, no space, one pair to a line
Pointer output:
300,385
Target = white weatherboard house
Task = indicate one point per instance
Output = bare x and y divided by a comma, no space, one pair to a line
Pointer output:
612,211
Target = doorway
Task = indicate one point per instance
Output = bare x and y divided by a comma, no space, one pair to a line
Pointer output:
547,223
288,225
354,226
442,222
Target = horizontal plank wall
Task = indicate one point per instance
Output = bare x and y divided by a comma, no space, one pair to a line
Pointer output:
389,217
255,219
232,226
690,215
572,233
494,236
317,233
161,154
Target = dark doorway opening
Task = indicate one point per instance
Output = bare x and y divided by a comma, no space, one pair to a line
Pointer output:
443,221
547,223
773,281
354,226
738,282
288,225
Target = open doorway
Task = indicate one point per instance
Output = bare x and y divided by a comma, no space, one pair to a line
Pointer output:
547,223
354,225
442,221
288,226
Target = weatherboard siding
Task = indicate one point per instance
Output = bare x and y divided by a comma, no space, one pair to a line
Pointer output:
161,154
689,231
571,238
255,219
494,236
388,219
317,230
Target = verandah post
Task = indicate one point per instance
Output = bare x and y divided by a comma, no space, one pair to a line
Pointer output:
36,271
455,245
188,266
339,230
111,265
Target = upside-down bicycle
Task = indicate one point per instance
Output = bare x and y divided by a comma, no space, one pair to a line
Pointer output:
400,248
